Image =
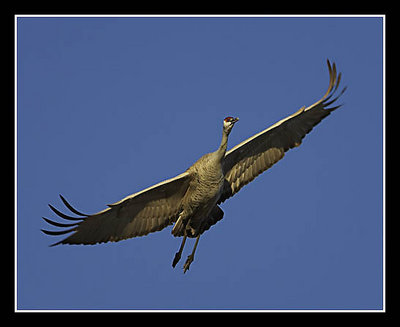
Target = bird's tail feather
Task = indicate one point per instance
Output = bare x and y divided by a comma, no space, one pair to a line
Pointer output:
179,227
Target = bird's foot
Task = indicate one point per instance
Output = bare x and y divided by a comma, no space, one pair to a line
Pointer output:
176,258
189,260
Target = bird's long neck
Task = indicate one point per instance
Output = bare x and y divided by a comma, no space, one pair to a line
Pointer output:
224,143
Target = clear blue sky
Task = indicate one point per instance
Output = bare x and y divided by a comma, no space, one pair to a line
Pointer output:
109,106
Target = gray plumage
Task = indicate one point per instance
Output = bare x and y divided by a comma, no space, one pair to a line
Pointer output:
191,200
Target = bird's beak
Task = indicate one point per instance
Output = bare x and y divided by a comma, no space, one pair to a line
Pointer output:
236,119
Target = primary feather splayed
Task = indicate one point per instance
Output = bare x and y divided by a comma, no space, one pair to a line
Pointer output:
190,201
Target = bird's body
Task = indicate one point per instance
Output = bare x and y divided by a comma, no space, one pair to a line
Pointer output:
191,200
201,197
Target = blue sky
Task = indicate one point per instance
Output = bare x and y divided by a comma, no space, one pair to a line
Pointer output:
109,106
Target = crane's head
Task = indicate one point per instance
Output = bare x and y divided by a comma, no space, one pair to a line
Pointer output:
228,124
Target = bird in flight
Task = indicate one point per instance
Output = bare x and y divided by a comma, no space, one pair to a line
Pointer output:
191,201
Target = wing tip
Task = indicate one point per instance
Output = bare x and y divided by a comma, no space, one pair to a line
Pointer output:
334,82
64,227
71,208
54,223
61,232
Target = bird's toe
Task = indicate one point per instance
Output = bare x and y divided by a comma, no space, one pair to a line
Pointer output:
189,260
176,259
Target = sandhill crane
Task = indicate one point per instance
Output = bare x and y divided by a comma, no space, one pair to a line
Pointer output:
191,200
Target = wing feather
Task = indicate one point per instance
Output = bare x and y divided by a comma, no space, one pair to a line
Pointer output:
253,156
141,213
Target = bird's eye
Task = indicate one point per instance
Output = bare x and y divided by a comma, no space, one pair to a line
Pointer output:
228,119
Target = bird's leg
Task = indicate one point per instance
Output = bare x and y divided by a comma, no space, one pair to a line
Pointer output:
191,256
179,253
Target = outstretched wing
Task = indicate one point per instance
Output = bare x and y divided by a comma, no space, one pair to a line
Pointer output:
250,158
141,213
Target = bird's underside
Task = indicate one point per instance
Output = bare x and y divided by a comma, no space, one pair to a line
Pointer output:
190,201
